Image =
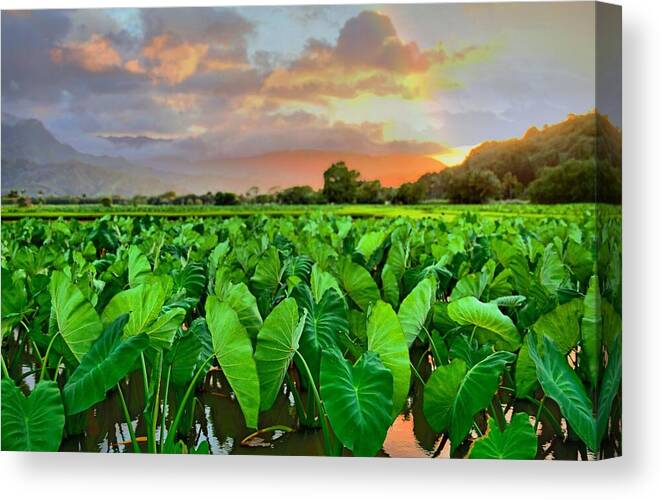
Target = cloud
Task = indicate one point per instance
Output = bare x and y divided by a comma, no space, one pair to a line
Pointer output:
368,58
136,142
96,55
173,61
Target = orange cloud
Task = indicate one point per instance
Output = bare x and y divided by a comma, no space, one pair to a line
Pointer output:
172,61
368,58
96,55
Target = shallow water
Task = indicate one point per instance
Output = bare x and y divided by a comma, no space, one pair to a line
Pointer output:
218,420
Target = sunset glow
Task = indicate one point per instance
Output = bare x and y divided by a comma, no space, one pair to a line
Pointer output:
193,88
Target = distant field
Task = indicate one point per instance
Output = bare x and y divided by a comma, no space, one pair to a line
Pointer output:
444,211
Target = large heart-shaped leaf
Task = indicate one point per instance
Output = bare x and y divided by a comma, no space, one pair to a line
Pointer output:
34,423
243,302
233,349
440,393
357,400
144,304
562,326
517,441
320,281
106,363
277,343
370,243
268,274
324,322
72,315
492,325
14,301
386,338
359,284
475,392
139,268
563,385
415,308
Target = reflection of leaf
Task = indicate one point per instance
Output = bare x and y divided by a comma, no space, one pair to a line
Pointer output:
357,399
517,441
34,423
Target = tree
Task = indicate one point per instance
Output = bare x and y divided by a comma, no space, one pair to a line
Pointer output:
576,181
470,185
370,192
221,198
340,183
106,201
512,187
299,195
410,193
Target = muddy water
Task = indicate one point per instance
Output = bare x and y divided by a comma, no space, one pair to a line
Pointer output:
217,419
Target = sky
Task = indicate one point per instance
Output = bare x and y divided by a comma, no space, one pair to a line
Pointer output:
202,84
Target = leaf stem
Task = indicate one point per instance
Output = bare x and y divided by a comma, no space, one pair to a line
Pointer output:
165,406
322,412
127,417
44,361
180,410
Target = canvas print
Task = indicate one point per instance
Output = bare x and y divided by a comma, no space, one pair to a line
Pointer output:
352,230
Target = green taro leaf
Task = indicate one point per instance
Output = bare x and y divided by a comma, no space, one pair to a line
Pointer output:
370,243
245,305
144,303
320,281
233,349
14,301
277,343
359,284
268,274
562,326
139,268
108,361
184,356
325,321
475,393
591,330
386,338
72,315
440,392
357,400
517,442
492,325
35,423
415,308
562,384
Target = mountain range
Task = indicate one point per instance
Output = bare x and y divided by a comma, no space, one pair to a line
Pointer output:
35,162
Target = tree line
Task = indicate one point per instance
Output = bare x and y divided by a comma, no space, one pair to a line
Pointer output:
569,182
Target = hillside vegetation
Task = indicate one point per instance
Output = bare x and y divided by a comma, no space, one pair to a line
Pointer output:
575,143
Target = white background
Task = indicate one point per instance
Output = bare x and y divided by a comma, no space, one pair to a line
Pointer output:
635,476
